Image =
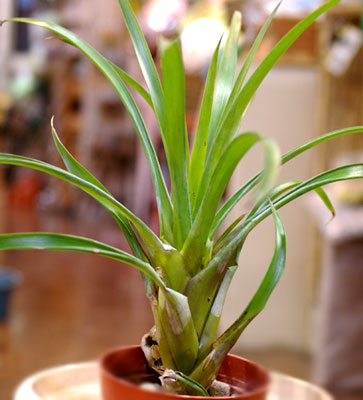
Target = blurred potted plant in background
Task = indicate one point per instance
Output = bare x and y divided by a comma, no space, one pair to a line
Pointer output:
187,269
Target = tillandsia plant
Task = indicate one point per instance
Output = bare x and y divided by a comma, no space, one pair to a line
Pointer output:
188,268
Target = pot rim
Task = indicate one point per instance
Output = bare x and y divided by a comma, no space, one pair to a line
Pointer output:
262,388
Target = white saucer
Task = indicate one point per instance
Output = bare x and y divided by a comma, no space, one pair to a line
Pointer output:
80,382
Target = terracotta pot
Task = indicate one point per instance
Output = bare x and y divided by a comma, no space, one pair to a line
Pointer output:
122,368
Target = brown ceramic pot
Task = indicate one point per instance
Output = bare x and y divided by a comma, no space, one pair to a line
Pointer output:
123,368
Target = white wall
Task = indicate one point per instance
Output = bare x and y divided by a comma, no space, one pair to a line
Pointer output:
283,109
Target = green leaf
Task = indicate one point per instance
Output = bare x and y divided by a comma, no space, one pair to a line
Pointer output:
133,83
161,254
270,170
347,172
201,290
285,186
326,200
176,140
208,280
206,371
212,323
240,193
227,207
282,188
77,169
146,62
162,196
318,140
273,194
269,282
212,273
154,245
55,241
164,348
176,272
72,165
227,231
222,90
178,328
226,73
231,122
266,65
248,62
202,134
195,243
192,387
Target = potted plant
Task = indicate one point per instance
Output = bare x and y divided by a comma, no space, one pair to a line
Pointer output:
188,267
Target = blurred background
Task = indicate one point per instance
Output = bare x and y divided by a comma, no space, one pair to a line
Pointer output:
66,307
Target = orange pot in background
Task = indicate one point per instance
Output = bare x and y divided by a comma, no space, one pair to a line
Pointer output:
249,380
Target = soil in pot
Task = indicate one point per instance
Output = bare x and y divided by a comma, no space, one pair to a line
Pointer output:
123,370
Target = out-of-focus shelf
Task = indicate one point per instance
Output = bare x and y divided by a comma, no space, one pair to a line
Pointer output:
346,10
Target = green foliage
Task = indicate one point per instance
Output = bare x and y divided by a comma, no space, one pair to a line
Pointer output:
187,270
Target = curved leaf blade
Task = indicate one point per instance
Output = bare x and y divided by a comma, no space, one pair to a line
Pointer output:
196,240
347,172
161,192
133,83
146,62
212,323
57,241
177,323
318,140
240,193
72,165
193,388
271,278
206,371
354,171
234,241
203,223
226,71
219,242
200,144
248,62
230,124
79,170
233,118
326,200
105,199
270,170
176,137
226,74
162,255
